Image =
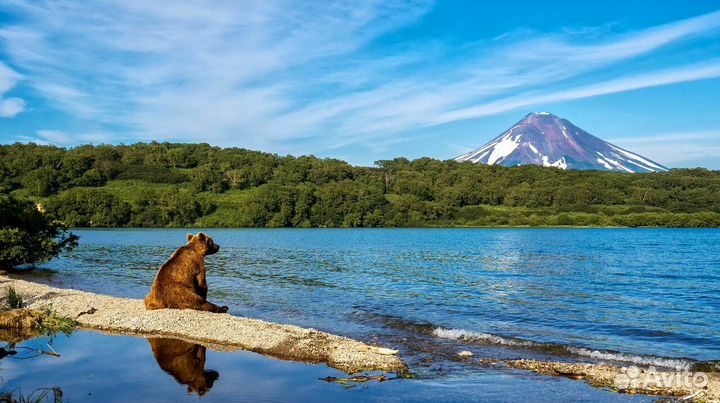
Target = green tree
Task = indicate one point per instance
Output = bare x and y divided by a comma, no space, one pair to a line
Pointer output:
208,178
42,181
84,207
28,236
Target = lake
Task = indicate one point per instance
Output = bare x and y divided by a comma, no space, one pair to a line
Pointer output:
643,296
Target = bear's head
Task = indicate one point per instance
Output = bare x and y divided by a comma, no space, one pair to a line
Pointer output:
203,243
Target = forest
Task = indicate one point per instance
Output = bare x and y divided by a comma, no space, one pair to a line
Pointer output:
199,185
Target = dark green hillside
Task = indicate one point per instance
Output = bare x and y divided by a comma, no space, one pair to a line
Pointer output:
161,184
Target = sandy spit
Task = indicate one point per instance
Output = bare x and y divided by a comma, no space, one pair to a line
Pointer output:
215,331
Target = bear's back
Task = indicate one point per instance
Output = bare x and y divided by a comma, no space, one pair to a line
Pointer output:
183,265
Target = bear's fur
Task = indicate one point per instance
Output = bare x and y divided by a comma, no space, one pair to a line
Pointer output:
185,362
180,282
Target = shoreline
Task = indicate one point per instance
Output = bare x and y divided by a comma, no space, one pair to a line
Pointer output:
225,333
379,228
216,331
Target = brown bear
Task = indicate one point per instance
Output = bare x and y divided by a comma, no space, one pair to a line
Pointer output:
180,282
185,362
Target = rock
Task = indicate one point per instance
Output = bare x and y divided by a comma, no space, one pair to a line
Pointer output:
386,351
465,354
17,325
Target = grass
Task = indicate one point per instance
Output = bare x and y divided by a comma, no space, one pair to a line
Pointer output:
227,210
128,190
37,396
50,323
14,300
47,321
131,190
391,197
227,203
229,199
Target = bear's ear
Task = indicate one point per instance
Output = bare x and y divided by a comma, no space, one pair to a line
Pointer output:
201,237
190,237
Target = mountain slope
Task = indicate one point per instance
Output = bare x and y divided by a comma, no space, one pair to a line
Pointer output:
545,139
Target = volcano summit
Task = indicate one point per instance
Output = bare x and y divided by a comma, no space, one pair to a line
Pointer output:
545,139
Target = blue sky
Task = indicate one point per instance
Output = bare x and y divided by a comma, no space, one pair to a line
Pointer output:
361,81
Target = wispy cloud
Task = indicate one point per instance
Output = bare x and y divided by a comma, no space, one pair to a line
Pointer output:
675,148
266,74
457,148
9,107
61,138
187,70
634,82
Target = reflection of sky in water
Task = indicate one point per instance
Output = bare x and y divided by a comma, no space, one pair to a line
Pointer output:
95,367
652,291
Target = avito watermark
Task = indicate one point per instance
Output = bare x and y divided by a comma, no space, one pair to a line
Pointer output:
634,378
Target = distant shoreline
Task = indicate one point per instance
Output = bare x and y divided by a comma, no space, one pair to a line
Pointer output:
197,185
399,228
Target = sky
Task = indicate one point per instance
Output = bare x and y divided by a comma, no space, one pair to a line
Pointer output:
361,81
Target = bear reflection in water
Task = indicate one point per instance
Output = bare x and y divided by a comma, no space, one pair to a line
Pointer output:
185,362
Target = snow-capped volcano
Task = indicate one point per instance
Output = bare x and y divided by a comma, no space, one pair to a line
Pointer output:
545,139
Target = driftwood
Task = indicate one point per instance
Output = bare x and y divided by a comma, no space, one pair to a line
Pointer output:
38,352
358,378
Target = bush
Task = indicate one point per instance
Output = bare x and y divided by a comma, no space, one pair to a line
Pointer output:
92,178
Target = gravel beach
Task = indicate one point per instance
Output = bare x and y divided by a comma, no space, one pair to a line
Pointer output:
215,331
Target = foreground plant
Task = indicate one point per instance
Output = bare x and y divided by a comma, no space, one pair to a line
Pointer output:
16,318
14,300
50,323
37,396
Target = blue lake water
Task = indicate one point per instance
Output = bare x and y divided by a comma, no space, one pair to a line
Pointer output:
99,368
648,296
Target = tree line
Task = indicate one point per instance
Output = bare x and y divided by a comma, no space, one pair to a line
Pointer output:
179,185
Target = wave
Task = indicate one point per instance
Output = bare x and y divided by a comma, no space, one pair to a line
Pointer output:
557,349
460,334
639,359
605,355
